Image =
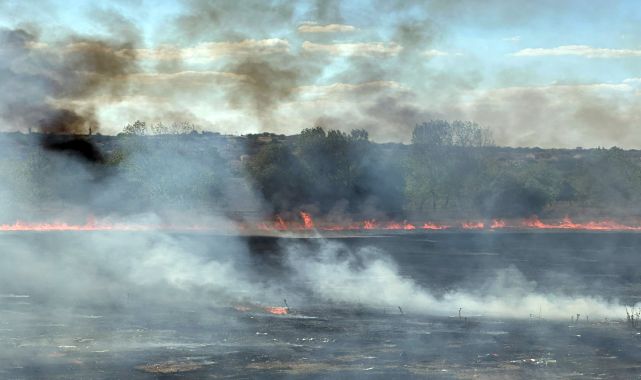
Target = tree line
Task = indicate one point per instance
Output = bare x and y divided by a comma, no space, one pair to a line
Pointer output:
449,170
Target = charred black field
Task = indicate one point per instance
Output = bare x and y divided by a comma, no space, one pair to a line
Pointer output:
145,332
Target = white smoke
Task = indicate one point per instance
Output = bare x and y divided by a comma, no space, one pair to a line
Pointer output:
370,277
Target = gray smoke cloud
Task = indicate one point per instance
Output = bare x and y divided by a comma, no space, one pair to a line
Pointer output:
59,87
246,67
40,82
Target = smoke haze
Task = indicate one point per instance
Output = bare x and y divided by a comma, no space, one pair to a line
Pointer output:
251,67
209,255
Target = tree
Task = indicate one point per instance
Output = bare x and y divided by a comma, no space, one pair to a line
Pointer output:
324,155
138,128
182,128
159,129
611,178
279,176
359,135
509,197
444,159
329,170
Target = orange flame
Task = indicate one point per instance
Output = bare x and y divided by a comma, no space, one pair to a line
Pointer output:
498,223
473,225
307,220
370,225
399,226
393,226
434,226
62,226
278,310
279,224
568,224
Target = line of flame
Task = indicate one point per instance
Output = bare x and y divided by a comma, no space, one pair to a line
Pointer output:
280,225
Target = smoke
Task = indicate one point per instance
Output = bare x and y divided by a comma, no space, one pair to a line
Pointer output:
370,277
61,86
568,114
204,20
153,186
143,297
270,87
110,270
71,84
244,67
264,86
41,81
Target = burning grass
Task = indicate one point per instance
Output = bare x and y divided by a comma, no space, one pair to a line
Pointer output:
307,224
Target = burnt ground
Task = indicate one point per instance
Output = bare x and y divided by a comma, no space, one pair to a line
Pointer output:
334,341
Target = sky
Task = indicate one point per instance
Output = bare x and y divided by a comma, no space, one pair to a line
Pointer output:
543,73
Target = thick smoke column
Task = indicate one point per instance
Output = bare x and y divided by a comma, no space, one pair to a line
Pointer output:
42,82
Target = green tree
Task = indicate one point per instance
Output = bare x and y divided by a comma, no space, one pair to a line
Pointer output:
279,176
445,159
138,128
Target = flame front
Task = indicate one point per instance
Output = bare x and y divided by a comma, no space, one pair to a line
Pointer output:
498,223
307,220
472,225
278,310
281,225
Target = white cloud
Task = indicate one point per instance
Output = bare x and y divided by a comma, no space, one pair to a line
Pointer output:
357,49
633,81
214,50
439,53
578,50
311,27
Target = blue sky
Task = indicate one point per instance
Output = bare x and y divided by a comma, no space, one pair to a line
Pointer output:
495,62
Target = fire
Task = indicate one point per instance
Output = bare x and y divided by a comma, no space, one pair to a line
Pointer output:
534,222
62,226
278,310
307,220
370,225
399,226
434,226
393,226
498,223
333,227
472,225
279,225
567,224
92,225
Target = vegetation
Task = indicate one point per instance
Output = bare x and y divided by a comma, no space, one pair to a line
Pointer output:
450,170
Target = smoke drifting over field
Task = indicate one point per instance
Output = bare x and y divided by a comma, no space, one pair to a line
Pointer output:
155,295
160,268
52,82
371,277
272,66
